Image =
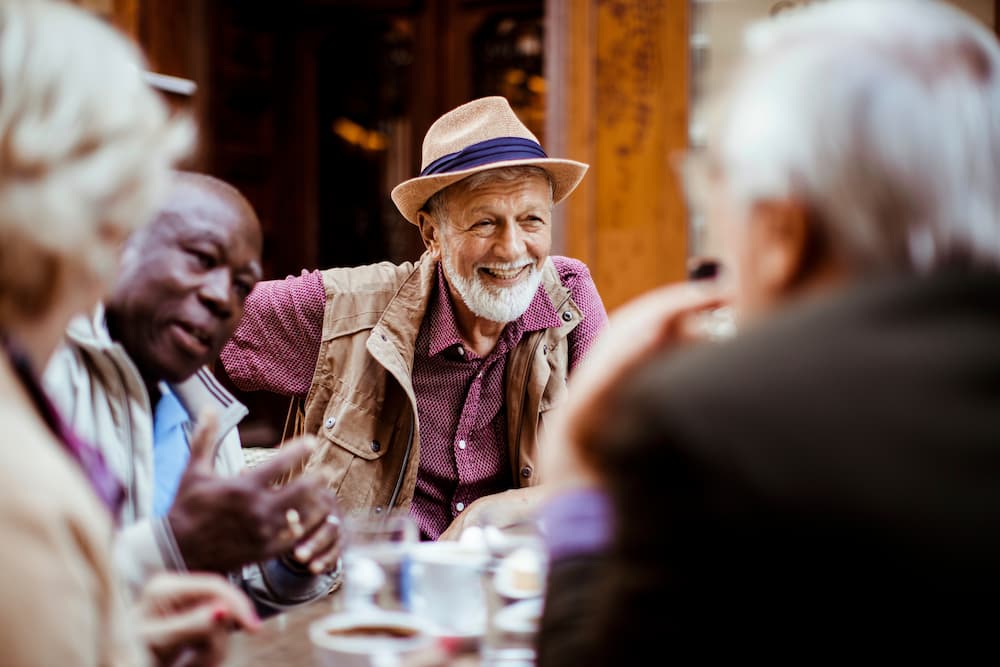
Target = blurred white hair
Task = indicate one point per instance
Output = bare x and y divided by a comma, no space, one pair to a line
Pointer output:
883,117
85,148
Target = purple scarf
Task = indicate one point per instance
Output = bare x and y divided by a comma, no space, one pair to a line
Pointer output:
105,484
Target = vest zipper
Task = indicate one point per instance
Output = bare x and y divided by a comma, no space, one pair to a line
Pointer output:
406,461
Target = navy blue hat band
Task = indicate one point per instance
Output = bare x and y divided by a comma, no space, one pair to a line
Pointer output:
500,149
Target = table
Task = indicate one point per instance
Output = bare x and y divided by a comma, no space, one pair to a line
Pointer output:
284,640
281,640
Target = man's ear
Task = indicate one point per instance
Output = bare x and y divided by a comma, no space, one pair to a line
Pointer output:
430,233
780,245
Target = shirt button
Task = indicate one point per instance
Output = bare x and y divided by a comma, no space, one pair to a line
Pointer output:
330,421
526,472
461,351
567,316
460,506
376,445
461,444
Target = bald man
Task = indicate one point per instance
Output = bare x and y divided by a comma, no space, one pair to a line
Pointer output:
133,379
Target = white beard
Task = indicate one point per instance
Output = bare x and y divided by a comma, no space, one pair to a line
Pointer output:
490,303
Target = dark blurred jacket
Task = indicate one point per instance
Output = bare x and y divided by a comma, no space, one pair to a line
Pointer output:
827,484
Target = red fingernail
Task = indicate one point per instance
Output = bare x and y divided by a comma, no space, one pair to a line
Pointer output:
449,645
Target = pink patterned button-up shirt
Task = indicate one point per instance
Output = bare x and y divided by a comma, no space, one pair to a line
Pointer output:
460,396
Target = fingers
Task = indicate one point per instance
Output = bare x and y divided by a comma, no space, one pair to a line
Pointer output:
666,306
291,456
454,529
311,502
203,441
642,327
168,592
321,549
191,625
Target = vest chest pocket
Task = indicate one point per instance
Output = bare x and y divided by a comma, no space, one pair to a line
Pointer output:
356,430
554,371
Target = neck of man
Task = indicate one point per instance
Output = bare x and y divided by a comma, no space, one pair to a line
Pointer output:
480,335
114,324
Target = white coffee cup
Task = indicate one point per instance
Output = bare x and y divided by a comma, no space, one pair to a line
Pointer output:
368,638
445,586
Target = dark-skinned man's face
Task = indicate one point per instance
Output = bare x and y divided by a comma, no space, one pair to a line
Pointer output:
184,280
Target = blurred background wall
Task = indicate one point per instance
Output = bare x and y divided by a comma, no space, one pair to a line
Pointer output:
315,109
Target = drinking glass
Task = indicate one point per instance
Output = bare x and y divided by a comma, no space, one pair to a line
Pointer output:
514,583
375,553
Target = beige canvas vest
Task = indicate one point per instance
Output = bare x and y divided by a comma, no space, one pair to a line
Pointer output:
361,403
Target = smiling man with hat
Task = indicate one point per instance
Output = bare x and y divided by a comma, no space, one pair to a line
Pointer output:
428,382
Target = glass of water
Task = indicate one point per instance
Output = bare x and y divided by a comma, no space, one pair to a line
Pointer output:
514,586
376,549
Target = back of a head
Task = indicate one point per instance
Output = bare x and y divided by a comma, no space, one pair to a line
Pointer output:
85,148
883,117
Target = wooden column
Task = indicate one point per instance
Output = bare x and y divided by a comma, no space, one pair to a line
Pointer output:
618,100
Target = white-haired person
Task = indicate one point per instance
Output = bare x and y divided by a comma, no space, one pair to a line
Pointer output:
428,382
85,152
827,482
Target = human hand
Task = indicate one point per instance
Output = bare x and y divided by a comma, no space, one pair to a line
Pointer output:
222,523
501,509
185,619
657,320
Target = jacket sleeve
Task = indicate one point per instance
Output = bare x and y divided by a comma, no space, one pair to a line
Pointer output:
144,549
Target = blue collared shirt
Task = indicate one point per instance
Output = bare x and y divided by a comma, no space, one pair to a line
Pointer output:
171,450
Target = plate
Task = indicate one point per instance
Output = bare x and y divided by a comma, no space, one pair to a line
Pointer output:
520,617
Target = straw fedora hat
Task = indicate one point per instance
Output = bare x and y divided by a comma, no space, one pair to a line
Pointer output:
479,135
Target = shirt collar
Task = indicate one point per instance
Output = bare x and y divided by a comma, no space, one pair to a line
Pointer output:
541,314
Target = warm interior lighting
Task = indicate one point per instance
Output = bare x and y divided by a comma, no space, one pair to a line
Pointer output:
352,133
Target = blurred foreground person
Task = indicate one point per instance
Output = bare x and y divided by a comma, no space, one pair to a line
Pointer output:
85,151
828,481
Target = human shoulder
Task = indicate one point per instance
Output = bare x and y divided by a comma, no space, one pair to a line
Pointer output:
383,277
571,270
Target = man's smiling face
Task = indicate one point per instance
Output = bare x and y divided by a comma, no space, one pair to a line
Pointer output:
494,242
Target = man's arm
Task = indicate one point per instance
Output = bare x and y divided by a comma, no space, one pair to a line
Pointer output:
501,509
277,342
